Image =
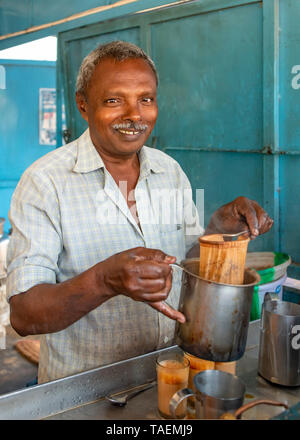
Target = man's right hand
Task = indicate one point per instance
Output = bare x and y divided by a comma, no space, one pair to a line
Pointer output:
143,275
140,273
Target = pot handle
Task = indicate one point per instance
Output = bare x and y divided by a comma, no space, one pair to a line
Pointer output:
177,266
179,397
237,414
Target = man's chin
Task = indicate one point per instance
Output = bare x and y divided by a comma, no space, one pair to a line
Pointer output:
125,149
129,149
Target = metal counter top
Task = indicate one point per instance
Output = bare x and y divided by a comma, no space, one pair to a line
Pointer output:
82,396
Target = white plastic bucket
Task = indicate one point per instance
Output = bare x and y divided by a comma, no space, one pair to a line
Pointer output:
274,287
272,268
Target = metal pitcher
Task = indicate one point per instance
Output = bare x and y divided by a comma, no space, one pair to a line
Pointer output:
279,346
217,315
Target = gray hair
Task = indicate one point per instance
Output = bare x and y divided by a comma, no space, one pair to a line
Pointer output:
118,50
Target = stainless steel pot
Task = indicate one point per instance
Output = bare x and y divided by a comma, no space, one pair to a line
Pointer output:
279,346
217,315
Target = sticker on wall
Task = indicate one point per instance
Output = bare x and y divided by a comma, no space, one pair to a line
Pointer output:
47,116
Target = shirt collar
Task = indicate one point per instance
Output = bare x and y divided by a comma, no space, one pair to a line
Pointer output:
88,158
148,163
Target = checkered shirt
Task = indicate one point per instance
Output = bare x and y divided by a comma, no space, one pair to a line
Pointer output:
60,230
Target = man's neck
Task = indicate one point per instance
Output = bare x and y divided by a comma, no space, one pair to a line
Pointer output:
123,167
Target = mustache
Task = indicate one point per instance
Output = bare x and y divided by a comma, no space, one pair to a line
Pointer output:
136,126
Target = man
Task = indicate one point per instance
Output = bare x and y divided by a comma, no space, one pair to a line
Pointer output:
75,276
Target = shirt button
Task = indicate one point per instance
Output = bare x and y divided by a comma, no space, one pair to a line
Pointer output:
166,339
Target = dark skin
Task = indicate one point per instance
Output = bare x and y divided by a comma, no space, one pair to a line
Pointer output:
242,214
121,92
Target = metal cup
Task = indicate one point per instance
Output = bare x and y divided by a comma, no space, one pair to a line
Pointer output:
216,393
279,346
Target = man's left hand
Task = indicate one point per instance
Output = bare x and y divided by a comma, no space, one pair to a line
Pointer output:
238,215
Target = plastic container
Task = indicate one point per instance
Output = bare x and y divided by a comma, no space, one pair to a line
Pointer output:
272,268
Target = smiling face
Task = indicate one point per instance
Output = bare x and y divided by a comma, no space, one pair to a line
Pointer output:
120,106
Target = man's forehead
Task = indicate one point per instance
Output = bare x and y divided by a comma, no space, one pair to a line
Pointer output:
112,71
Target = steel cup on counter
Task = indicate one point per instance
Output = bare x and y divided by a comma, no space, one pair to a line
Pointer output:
279,346
172,375
216,393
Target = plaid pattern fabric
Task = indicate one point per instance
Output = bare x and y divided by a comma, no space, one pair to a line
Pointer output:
59,230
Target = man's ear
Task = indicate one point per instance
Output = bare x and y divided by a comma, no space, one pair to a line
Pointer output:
82,105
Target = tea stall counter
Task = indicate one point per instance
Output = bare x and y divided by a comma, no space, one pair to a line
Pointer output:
82,396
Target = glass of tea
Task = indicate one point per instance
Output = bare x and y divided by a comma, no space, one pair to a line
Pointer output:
172,375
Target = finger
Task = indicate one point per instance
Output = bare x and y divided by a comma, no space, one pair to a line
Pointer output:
164,290
252,222
149,286
264,221
152,297
169,259
168,311
155,255
151,269
249,214
161,294
267,224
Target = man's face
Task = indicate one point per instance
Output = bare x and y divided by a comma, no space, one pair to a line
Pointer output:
120,106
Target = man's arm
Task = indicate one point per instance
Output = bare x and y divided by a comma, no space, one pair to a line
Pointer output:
48,308
141,274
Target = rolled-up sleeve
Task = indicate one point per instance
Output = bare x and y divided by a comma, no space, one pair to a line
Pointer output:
35,244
